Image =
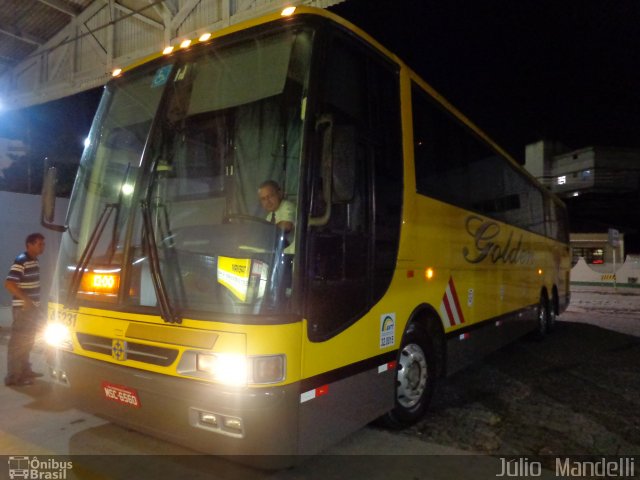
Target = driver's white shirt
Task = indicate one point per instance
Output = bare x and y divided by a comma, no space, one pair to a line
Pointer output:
286,212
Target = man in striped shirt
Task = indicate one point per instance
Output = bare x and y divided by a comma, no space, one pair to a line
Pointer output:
23,282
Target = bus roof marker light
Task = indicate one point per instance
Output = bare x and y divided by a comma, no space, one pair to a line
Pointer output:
116,72
287,11
167,50
428,273
204,37
185,43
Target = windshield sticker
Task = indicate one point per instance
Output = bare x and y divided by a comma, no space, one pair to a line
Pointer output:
234,274
387,330
161,76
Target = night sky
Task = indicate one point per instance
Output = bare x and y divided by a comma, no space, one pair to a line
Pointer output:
55,129
522,70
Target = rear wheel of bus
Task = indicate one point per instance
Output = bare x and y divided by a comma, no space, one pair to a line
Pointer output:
415,378
542,317
553,311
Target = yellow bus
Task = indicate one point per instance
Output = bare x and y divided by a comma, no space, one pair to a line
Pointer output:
418,244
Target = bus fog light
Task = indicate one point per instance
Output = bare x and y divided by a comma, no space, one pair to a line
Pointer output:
209,419
233,423
268,369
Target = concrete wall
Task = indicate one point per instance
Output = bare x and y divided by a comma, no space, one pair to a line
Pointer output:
19,217
626,275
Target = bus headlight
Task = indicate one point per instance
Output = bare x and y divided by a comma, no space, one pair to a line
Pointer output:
226,368
239,370
58,335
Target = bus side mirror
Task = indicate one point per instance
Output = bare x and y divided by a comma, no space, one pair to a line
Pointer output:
48,210
324,124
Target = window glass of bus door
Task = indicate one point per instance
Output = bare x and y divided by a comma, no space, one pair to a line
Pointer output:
386,151
339,228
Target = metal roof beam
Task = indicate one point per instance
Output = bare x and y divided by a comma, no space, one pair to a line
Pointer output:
61,7
183,13
93,41
170,5
22,37
163,7
138,16
68,33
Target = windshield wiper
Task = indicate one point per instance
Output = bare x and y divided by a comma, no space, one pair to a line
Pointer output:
88,251
166,310
96,234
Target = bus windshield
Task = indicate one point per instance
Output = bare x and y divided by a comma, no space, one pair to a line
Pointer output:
166,206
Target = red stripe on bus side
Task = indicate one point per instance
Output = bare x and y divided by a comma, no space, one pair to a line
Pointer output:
447,307
455,299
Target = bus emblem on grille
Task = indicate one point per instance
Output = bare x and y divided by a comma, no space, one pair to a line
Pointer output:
119,350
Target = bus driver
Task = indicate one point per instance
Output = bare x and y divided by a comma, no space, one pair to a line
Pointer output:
279,211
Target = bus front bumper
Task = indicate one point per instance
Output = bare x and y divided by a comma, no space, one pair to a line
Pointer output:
206,417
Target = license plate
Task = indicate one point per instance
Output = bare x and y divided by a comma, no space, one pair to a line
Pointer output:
121,394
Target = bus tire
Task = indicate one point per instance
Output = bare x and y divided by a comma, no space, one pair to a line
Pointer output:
416,375
542,319
553,313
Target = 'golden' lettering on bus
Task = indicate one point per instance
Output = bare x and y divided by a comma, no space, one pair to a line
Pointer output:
485,235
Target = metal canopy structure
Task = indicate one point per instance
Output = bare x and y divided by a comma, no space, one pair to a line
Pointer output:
51,49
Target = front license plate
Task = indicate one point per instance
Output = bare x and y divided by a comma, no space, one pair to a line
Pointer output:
121,394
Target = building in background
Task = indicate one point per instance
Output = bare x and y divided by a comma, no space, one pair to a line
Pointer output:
601,187
596,248
586,171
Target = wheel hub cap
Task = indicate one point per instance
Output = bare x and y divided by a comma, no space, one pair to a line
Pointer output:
412,375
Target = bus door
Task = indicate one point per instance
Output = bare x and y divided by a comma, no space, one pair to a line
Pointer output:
352,240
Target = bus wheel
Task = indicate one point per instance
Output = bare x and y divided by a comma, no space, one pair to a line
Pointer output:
415,378
551,316
543,318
